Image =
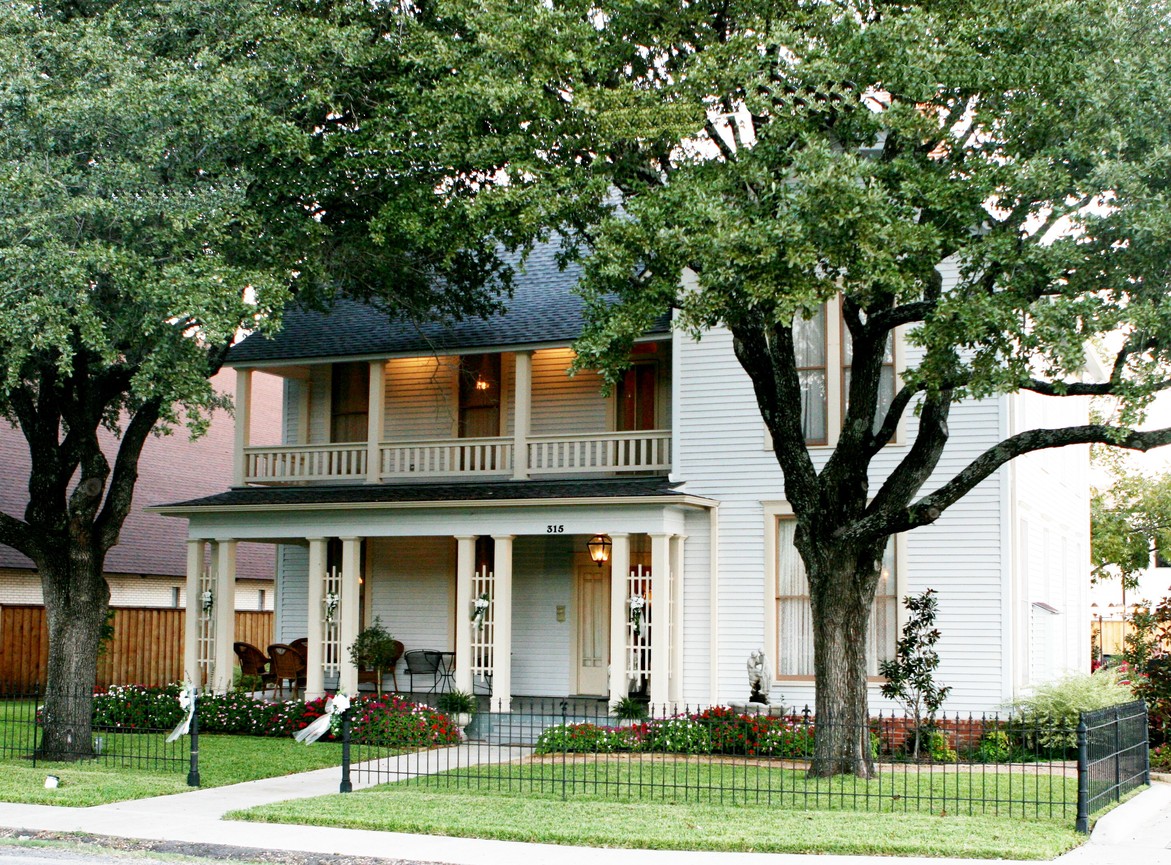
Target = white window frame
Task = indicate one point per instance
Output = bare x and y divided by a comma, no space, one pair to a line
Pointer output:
774,512
834,375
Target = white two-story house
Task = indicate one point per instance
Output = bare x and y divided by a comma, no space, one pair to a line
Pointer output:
456,483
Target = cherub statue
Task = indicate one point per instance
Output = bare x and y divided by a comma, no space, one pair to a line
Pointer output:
760,677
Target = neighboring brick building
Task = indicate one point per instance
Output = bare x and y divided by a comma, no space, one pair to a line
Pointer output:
147,568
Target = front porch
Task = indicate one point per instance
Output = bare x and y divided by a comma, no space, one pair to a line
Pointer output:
519,606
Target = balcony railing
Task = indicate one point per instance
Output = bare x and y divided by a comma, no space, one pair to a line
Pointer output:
281,463
592,454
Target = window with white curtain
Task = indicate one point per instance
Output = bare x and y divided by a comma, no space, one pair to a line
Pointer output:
823,354
795,619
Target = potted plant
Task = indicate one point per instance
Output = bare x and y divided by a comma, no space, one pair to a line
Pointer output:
629,710
460,705
375,649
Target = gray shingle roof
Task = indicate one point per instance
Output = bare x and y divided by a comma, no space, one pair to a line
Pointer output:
439,493
543,309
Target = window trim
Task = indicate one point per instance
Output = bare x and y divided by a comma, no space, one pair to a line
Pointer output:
835,375
774,512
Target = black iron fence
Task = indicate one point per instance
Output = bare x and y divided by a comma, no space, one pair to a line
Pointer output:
985,764
1113,757
72,726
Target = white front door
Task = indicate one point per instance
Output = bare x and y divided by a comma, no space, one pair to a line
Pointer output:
592,649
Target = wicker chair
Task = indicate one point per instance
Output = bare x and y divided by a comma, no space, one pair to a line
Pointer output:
287,663
253,662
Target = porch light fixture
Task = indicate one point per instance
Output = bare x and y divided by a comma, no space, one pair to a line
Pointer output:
599,547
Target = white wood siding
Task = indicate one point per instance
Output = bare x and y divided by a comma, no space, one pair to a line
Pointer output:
320,382
722,455
563,405
292,592
542,580
422,398
1051,498
413,591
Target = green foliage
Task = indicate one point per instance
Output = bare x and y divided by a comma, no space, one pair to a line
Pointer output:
717,730
938,747
456,701
374,648
393,722
1054,707
629,709
1129,521
910,674
994,747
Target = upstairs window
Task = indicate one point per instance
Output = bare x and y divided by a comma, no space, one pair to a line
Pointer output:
824,356
350,402
479,396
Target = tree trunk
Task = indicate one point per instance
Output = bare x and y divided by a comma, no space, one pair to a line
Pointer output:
77,598
841,619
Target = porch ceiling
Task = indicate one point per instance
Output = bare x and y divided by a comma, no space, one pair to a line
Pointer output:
648,490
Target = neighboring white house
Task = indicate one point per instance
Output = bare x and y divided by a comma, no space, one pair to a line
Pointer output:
424,467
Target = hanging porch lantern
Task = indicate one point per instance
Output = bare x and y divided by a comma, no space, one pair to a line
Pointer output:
599,547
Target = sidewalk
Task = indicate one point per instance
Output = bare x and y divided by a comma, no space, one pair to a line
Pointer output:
1136,833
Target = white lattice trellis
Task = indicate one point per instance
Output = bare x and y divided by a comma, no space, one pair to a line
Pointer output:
331,622
205,630
638,645
483,633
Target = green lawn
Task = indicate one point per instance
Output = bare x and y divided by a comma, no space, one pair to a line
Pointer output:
223,760
597,821
1017,791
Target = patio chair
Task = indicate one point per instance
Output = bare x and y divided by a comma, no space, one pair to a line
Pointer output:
422,662
301,644
253,662
287,663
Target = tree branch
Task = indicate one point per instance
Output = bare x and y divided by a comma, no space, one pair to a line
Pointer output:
120,494
16,534
928,509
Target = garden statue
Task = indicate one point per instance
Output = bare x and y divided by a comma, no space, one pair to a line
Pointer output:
759,677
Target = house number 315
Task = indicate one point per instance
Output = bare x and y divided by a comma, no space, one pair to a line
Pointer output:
554,530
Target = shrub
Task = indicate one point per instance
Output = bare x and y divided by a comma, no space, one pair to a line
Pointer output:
1054,707
456,701
994,747
135,707
717,730
1161,758
910,674
937,746
393,722
629,709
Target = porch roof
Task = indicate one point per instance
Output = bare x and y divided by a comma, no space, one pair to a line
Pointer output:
439,494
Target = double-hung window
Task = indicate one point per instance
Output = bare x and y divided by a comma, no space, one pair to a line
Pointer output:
794,617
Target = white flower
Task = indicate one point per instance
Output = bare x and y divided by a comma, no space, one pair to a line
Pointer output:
206,598
331,602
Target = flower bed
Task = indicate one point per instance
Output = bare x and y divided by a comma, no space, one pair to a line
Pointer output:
388,721
717,730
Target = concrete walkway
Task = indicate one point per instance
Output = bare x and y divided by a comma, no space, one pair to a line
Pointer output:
1136,833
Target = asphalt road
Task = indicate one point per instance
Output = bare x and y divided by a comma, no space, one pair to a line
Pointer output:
43,848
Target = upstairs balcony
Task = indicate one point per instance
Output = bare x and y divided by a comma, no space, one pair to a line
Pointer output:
377,415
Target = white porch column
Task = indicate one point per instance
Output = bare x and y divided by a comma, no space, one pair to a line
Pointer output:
375,410
315,619
465,565
243,423
522,415
224,610
502,626
195,563
660,617
348,615
619,571
675,692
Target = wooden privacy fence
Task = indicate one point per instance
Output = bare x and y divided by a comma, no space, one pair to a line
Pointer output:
147,647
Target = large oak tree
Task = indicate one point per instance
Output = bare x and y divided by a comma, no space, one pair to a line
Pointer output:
789,152
172,173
